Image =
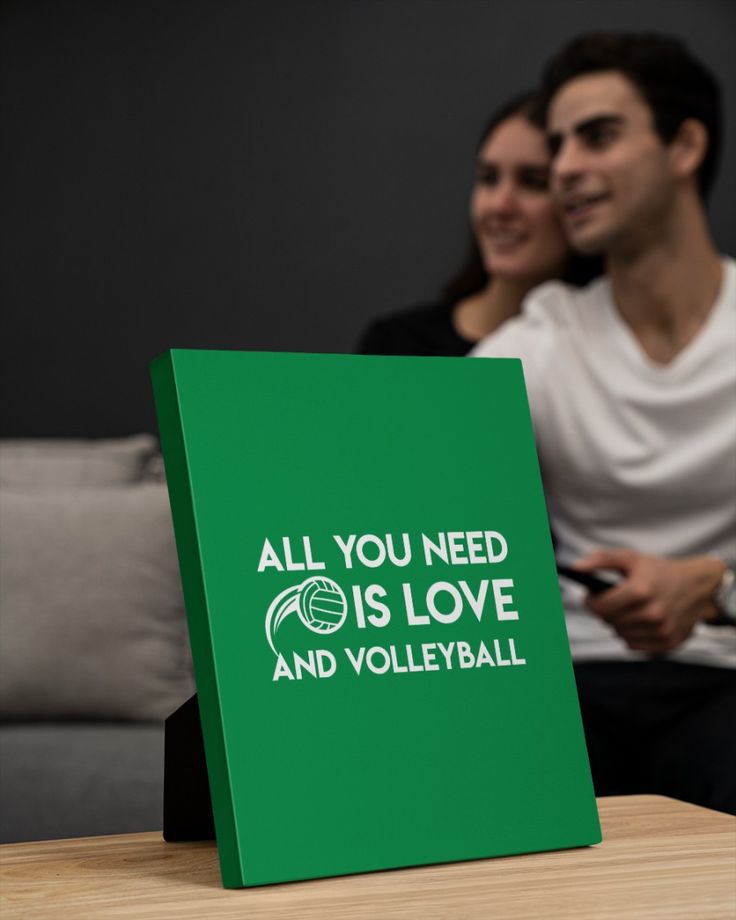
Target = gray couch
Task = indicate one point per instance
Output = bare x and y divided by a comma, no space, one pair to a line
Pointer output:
93,644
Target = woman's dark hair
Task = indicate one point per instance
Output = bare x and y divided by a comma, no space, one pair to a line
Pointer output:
673,83
472,275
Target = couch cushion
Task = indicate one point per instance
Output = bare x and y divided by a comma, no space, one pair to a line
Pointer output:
80,779
91,608
44,464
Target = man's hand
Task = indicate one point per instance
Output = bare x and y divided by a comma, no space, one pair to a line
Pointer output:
656,605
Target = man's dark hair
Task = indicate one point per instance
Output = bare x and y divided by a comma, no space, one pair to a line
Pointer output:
674,84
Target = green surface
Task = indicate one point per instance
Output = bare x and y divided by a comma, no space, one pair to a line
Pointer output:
353,772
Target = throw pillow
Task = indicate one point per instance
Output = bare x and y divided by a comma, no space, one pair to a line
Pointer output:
91,611
75,463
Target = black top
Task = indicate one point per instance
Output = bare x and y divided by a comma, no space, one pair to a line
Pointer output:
426,330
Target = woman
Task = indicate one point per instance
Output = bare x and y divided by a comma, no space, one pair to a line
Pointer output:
516,244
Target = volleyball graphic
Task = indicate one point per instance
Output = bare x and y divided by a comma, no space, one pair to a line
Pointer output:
319,602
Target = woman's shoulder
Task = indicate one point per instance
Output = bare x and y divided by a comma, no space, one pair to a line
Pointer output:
424,329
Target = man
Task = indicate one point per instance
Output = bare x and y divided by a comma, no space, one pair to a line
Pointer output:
632,386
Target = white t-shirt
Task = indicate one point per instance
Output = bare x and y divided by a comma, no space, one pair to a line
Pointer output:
633,454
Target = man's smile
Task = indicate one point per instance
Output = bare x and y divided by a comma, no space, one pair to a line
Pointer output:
577,207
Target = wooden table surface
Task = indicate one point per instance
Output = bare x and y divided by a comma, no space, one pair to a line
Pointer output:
659,859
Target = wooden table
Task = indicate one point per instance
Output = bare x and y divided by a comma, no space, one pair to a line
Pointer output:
659,859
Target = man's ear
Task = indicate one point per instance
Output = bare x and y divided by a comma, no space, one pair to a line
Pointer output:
688,148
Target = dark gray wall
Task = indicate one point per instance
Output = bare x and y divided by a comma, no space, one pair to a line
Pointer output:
253,174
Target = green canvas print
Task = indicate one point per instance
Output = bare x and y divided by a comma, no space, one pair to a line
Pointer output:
382,666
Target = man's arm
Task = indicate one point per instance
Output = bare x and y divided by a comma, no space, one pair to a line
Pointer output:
659,601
